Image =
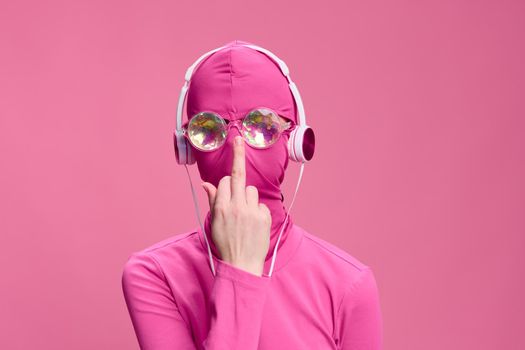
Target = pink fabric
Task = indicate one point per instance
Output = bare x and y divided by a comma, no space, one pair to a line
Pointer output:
237,79
319,297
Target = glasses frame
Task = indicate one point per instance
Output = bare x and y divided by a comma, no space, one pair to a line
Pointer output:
286,128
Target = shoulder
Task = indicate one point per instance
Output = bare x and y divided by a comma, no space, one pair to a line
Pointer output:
324,257
334,252
327,251
173,251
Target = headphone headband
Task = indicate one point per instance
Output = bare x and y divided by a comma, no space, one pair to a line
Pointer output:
280,63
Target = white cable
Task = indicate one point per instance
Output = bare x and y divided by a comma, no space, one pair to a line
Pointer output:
286,219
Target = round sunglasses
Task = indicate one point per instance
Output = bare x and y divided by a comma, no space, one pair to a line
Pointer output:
260,128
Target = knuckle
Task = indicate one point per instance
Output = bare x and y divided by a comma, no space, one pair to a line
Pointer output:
266,219
265,210
237,211
224,179
219,209
236,172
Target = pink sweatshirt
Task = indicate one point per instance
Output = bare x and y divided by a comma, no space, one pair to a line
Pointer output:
319,297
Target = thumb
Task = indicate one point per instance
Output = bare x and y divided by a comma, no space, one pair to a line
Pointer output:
211,191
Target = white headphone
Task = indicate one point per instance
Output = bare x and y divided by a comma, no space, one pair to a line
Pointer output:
301,144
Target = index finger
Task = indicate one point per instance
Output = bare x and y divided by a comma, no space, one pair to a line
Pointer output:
238,179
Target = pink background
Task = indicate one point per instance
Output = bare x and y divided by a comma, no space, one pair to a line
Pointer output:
418,108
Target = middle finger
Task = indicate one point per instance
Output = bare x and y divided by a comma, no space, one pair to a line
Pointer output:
238,177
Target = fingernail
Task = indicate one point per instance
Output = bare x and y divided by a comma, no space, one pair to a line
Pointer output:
238,140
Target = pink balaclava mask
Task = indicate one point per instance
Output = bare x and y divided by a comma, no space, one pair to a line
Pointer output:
232,82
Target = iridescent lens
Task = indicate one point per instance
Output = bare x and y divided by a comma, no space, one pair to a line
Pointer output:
261,127
207,131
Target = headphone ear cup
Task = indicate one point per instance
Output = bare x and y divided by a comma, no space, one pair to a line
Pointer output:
183,151
301,144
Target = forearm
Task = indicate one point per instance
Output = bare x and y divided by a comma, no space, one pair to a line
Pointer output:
236,304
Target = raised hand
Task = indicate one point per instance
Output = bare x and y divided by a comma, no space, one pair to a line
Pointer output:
240,224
